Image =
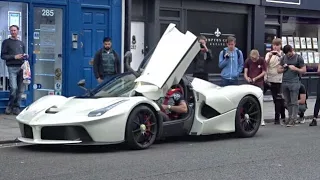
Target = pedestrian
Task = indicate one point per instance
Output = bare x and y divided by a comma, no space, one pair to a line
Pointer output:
255,69
317,104
202,59
230,63
302,101
13,51
273,79
292,66
106,62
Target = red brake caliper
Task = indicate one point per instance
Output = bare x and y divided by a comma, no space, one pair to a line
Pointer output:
147,123
242,114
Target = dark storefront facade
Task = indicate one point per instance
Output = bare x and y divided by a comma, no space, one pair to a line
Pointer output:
61,37
253,22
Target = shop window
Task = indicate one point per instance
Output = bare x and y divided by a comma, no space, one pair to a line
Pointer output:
169,13
303,35
270,33
272,20
217,27
11,13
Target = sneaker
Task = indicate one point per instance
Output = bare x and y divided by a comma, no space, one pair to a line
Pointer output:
16,111
302,120
291,123
8,110
263,123
313,122
276,122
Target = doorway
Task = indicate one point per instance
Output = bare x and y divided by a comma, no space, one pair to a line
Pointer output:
137,43
47,48
95,26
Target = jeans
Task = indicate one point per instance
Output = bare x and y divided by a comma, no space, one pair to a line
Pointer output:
228,82
302,110
16,86
290,93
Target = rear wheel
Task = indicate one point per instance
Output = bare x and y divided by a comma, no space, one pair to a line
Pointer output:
248,117
142,128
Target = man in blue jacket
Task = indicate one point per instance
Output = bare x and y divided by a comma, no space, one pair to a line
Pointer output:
231,62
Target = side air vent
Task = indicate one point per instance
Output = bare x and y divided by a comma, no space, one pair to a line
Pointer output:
208,112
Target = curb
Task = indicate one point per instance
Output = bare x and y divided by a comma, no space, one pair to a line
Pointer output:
9,141
272,120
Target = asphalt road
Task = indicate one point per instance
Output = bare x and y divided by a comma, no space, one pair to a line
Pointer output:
274,153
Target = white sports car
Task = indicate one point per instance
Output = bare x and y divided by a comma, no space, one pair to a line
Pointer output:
124,109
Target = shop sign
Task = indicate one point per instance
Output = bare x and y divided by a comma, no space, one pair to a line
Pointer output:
216,38
295,2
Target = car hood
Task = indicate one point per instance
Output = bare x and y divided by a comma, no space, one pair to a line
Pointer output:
66,106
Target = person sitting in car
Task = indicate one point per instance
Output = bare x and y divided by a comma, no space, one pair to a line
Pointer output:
174,105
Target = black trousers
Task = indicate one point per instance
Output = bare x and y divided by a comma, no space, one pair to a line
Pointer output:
279,105
317,105
203,76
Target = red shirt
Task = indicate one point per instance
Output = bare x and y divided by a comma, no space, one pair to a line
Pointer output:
255,69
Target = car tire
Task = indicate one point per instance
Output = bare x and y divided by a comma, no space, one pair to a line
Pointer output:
142,124
248,117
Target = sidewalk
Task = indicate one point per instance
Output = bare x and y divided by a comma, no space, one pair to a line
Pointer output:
9,129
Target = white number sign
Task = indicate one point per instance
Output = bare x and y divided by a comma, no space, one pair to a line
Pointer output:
47,12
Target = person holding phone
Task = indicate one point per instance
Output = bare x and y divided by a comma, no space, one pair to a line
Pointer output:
202,59
231,63
292,66
13,51
273,79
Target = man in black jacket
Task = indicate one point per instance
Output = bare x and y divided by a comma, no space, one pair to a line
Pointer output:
13,52
201,60
106,61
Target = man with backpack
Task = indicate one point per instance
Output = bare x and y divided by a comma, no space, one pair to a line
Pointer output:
231,62
291,65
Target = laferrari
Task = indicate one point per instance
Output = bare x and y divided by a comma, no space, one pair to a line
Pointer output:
125,108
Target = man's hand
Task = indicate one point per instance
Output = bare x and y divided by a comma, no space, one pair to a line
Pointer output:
100,80
164,107
18,56
293,68
249,80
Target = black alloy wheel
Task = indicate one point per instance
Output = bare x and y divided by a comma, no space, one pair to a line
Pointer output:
142,128
248,117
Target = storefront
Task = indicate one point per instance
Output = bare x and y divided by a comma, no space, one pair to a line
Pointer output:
61,37
253,22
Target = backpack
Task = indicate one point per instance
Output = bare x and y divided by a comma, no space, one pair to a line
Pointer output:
238,53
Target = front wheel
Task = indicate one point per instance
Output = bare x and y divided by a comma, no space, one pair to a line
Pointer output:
248,117
142,128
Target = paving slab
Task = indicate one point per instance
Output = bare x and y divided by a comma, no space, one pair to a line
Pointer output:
9,129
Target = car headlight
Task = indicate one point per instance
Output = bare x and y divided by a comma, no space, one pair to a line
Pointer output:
101,111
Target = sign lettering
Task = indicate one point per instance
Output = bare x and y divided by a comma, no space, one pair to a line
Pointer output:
47,12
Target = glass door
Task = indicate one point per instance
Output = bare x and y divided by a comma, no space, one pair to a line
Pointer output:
47,48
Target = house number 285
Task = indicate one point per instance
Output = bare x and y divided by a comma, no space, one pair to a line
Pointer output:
47,12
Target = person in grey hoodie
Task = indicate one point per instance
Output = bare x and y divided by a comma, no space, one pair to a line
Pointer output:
201,60
13,51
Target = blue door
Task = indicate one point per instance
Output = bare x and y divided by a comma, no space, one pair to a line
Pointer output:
95,28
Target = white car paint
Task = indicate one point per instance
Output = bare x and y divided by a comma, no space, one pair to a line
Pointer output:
163,70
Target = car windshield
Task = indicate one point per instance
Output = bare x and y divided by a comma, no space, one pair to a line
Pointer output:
120,86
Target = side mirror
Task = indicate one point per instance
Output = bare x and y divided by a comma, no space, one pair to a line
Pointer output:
82,83
127,62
